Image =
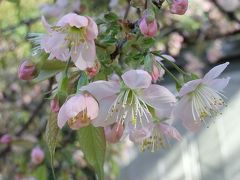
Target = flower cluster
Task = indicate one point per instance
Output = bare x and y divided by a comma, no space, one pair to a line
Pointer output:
129,104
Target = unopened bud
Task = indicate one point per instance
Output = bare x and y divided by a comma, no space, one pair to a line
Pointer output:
179,6
37,156
114,133
6,139
54,104
91,72
148,29
26,71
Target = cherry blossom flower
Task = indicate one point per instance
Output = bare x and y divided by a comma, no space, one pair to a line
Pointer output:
179,6
148,28
37,155
26,71
72,36
154,136
131,102
78,111
201,98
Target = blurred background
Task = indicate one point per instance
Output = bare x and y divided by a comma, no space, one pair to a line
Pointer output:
207,35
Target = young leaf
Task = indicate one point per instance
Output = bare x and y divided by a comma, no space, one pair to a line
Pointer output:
44,75
54,65
52,133
93,145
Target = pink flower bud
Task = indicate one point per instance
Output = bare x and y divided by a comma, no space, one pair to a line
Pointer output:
6,139
114,133
26,71
148,29
37,156
54,104
92,71
157,73
179,7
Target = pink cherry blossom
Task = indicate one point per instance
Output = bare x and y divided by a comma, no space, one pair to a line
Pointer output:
37,156
201,98
129,104
78,111
179,6
148,28
113,133
6,139
154,136
26,71
72,36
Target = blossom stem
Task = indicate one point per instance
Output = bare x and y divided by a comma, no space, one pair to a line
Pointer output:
171,63
67,66
171,75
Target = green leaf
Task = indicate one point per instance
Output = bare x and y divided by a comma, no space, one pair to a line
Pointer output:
52,136
148,64
110,16
44,75
83,80
93,145
41,172
54,65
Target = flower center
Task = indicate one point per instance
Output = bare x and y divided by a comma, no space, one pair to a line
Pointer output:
80,120
128,104
206,102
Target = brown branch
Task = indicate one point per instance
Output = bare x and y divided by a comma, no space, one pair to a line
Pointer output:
127,9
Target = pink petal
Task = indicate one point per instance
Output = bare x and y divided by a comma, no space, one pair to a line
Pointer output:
92,29
156,95
46,25
73,20
56,45
168,57
104,105
143,26
218,84
170,131
138,135
62,116
102,89
137,79
189,87
92,107
215,72
84,55
183,111
70,109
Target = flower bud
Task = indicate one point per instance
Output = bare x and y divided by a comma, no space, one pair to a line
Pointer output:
114,133
26,71
6,139
37,156
179,7
54,104
148,29
91,72
157,72
149,15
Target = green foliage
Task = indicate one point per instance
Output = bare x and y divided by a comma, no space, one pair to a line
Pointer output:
52,135
93,145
